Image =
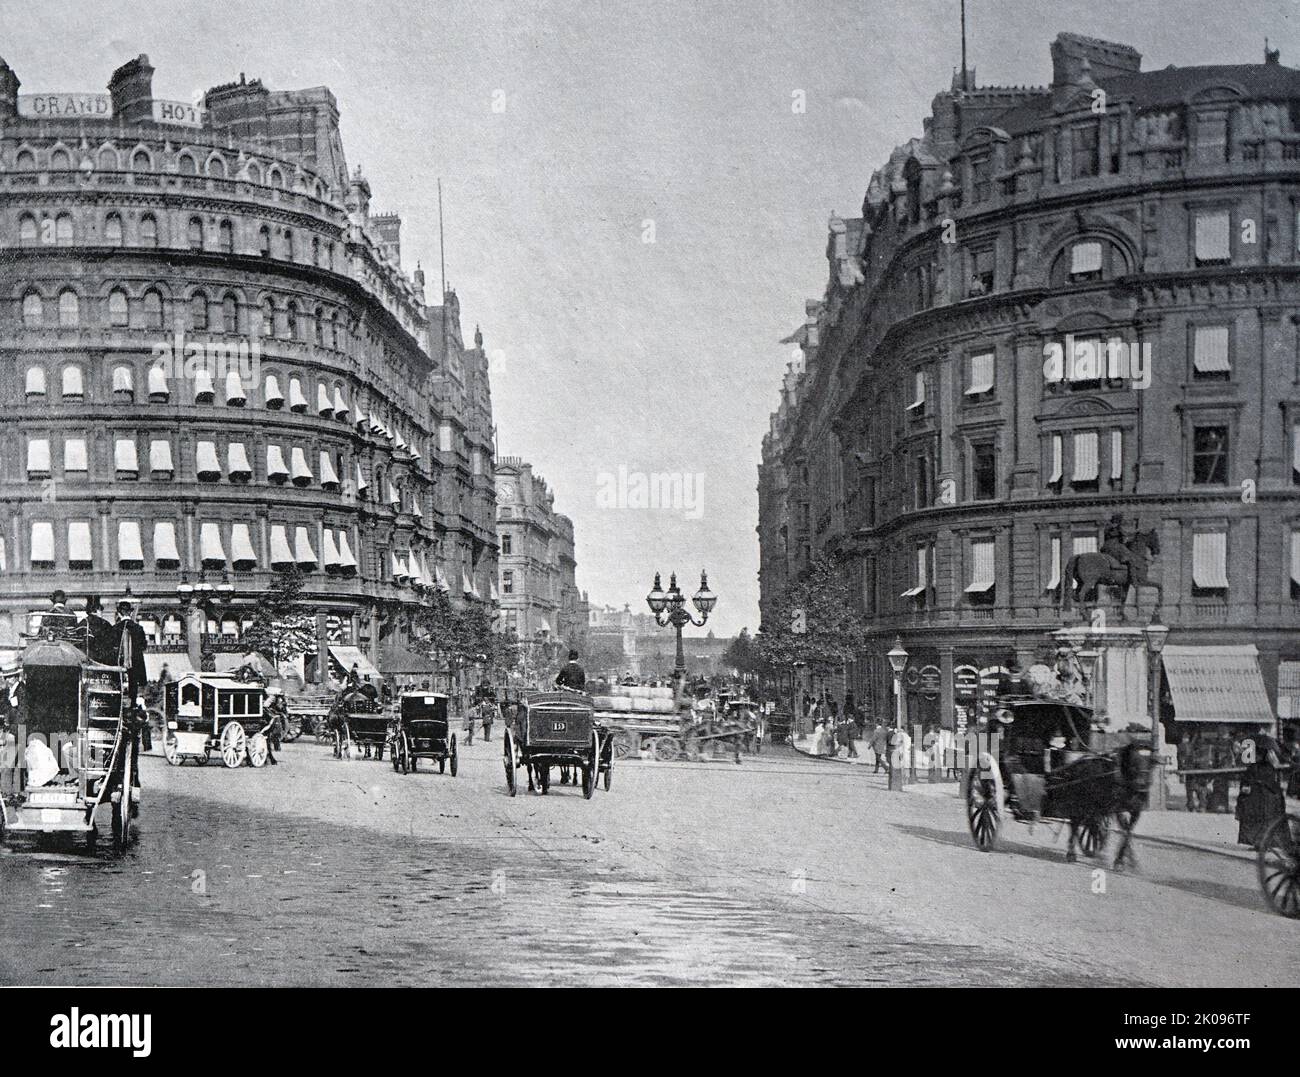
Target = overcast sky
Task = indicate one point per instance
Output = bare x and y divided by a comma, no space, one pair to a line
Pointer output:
612,351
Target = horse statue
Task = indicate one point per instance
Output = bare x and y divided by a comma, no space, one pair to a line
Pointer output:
1085,572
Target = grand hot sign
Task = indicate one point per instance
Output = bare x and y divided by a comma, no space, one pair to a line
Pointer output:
63,106
181,113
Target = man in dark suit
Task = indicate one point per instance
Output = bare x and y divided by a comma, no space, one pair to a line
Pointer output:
572,675
129,651
101,637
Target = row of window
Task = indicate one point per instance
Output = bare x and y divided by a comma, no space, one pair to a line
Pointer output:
110,159
60,230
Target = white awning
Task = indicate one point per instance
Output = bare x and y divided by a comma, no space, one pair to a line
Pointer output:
275,468
237,460
1295,557
80,550
203,386
280,552
415,507
129,547
440,578
911,592
35,381
982,575
164,541
235,388
397,566
1058,459
466,584
160,456
1055,581
1117,454
241,545
340,405
123,379
302,551
346,560
330,549
394,498
1210,560
273,394
400,443
324,405
492,589
1213,232
38,456
125,457
207,462
1216,684
74,385
297,402
301,472
1295,449
1210,350
981,374
361,479
158,384
42,542
75,457
1085,257
347,657
1083,544
210,547
363,420
328,477
1085,456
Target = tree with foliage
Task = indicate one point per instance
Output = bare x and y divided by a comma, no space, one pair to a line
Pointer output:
281,628
741,655
814,621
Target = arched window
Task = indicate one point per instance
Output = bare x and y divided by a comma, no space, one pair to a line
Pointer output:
151,306
291,320
268,317
217,166
124,382
288,244
118,313
315,250
25,161
275,178
107,159
69,309
60,161
35,382
264,241
113,229
318,326
148,231
333,338
195,234
140,161
329,255
226,237
199,311
254,172
230,313
33,309
63,229
74,386
27,230
186,165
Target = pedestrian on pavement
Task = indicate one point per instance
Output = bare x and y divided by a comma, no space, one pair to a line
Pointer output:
880,745
849,736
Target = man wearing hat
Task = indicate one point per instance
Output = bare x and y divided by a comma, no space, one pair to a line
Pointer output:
131,645
101,637
1115,546
59,622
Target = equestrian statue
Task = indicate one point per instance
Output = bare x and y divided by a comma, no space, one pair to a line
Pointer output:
1122,564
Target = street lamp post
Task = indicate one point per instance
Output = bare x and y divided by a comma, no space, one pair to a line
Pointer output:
199,601
897,662
669,608
1156,635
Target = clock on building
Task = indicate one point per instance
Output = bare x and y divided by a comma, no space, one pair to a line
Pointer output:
505,492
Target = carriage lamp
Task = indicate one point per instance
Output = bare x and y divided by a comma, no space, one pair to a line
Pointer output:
656,599
897,657
669,608
676,600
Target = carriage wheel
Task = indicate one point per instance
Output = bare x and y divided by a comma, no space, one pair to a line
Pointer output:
508,755
396,756
1092,835
291,732
624,744
591,770
171,748
1279,866
455,758
258,750
234,745
609,771
338,744
666,749
982,812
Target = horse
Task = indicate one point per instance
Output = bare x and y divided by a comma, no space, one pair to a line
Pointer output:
1084,572
1097,787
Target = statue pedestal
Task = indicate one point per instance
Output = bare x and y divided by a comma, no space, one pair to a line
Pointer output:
1120,686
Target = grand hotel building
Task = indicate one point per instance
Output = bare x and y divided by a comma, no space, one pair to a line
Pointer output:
335,420
945,428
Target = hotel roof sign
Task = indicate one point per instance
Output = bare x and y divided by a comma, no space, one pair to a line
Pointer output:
181,113
65,106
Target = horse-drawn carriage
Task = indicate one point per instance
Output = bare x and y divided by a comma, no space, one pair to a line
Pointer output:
359,722
556,729
79,754
423,731
1278,864
203,712
1044,762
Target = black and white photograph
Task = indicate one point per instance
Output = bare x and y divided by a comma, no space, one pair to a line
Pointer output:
580,494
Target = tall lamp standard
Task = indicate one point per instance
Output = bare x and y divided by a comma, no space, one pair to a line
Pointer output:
669,608
1156,635
897,662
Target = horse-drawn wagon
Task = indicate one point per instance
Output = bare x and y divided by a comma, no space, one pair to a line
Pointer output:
360,723
423,731
206,712
555,729
1045,762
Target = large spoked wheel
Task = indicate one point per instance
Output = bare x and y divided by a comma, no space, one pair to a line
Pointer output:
625,744
1092,835
258,749
508,756
983,814
171,748
1279,866
121,802
234,745
292,730
455,759
591,769
666,749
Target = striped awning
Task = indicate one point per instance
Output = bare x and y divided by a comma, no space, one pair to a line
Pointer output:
1085,456
280,552
1210,560
241,545
1210,350
982,576
1288,689
1217,684
164,541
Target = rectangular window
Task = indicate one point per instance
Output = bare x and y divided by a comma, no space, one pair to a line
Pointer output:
1057,451
917,406
1295,564
42,547
981,169
869,498
1295,454
38,458
982,575
1085,149
507,544
922,487
869,584
982,272
1212,139
1213,237
1053,564
984,471
922,578
981,374
1210,360
1210,455
75,461
1085,259
1081,544
508,582
1085,458
1210,561
1116,456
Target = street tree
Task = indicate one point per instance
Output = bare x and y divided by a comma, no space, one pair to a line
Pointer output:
813,622
281,628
